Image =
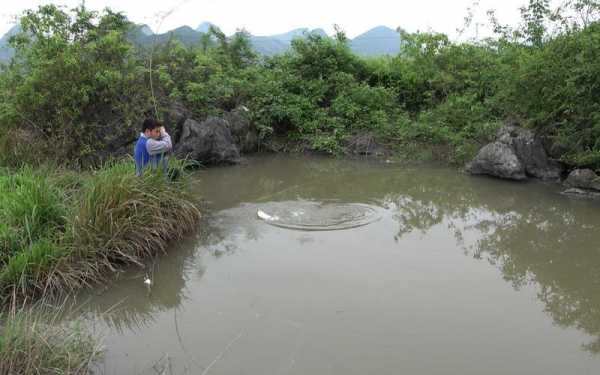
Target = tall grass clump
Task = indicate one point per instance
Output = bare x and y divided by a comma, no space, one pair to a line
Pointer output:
20,147
34,341
122,219
60,231
32,221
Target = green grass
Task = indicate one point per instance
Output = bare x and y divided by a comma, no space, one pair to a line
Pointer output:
33,216
35,341
60,231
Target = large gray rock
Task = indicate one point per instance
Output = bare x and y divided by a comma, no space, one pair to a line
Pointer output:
174,116
583,179
497,159
522,144
530,151
207,142
243,132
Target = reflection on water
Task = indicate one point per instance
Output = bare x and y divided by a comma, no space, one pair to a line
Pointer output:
540,242
128,304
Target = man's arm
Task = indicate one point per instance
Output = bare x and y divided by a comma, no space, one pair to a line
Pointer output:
163,145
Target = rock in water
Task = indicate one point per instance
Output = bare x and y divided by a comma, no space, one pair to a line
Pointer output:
530,151
243,132
582,193
583,179
208,142
497,159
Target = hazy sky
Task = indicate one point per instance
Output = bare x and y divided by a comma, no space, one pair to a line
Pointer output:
264,17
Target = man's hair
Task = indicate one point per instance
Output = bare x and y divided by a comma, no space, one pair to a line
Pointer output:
150,124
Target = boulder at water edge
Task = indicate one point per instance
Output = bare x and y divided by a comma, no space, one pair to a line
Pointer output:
207,142
174,116
582,193
530,151
583,179
497,159
243,132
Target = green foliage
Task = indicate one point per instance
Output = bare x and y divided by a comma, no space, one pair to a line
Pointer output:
73,81
31,210
534,17
555,87
213,77
77,88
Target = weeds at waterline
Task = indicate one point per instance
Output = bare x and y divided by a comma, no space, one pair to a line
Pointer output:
35,341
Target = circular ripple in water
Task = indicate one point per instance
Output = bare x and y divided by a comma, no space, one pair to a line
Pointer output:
317,216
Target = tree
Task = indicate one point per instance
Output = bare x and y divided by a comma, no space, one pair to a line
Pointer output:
534,17
74,81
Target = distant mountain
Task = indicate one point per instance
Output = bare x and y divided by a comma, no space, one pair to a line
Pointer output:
320,32
290,35
377,41
380,40
279,43
267,46
146,30
184,34
6,52
204,27
264,45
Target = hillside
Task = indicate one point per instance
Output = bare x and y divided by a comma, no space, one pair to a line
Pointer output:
204,27
5,51
377,41
380,40
146,29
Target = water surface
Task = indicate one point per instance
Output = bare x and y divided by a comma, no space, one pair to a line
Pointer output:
446,274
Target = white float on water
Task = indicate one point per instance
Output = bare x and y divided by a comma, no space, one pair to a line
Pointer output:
265,216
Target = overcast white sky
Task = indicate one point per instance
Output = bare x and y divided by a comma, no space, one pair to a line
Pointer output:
265,17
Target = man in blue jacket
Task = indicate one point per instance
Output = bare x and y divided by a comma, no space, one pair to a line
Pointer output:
151,147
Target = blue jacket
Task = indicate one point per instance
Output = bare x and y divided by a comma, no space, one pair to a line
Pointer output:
142,156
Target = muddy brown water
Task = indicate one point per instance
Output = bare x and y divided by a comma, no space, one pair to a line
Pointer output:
446,274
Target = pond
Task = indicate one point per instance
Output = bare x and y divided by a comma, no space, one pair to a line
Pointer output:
307,265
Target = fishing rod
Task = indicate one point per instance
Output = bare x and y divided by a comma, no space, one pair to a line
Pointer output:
160,17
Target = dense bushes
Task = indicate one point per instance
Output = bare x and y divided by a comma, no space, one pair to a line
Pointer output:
557,92
78,85
73,82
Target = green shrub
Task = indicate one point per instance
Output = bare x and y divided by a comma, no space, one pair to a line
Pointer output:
74,82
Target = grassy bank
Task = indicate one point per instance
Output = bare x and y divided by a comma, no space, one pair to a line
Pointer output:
60,230
35,342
